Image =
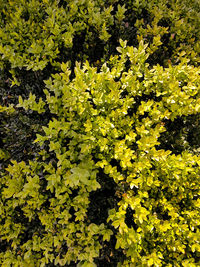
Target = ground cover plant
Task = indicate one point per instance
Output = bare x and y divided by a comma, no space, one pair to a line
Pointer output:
99,133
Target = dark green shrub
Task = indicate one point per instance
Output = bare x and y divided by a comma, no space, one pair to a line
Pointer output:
106,126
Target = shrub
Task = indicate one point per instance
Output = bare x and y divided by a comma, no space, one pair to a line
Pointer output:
106,126
121,137
42,34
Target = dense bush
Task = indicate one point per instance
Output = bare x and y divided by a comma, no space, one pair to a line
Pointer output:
37,34
99,160
103,128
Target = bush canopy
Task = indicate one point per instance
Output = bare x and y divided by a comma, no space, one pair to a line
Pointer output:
99,105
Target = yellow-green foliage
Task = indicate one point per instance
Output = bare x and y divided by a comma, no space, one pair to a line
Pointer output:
172,24
37,34
107,121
